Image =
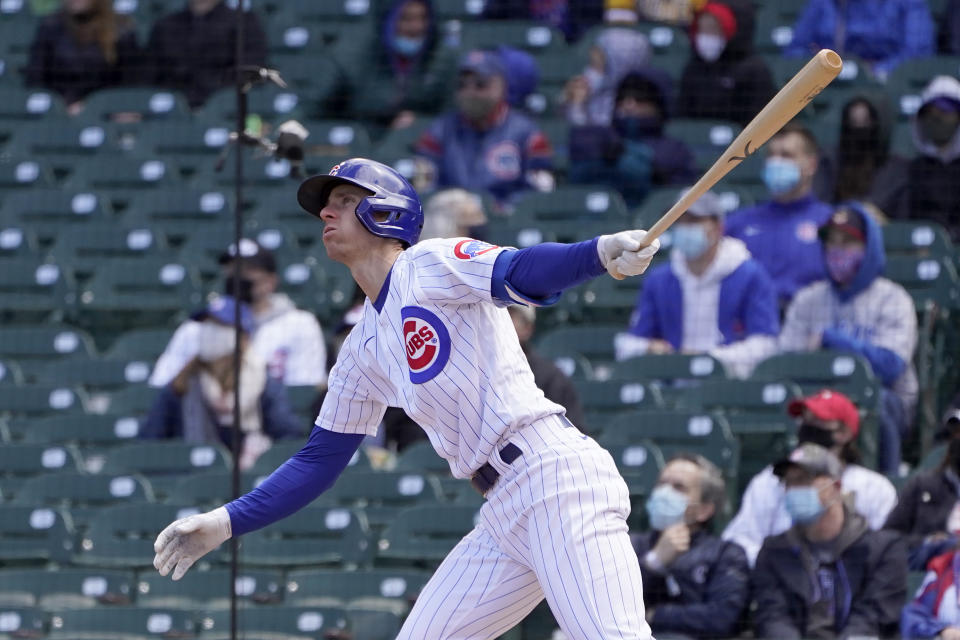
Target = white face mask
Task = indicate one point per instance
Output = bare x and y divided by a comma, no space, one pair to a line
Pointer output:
710,46
216,341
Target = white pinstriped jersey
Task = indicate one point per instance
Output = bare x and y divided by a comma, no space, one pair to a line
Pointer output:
443,349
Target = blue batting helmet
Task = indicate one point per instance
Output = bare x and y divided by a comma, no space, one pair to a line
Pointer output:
390,194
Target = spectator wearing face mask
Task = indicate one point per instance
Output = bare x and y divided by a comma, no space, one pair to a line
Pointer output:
829,575
827,419
198,404
880,33
711,298
781,233
409,71
861,166
485,146
694,584
288,339
934,174
724,78
855,309
589,97
928,513
633,154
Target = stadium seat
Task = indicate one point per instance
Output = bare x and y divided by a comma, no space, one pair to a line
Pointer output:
85,248
19,462
373,624
83,494
926,280
343,138
122,536
10,372
258,172
31,289
639,462
593,342
176,213
24,622
17,241
121,623
315,535
381,589
532,36
65,587
582,203
207,489
422,536
94,374
87,430
35,534
315,77
279,623
20,103
165,457
610,301
920,239
149,103
421,457
63,143
604,399
188,144
271,103
121,173
49,342
140,344
208,589
23,173
907,81
707,139
48,212
36,400
383,494
675,374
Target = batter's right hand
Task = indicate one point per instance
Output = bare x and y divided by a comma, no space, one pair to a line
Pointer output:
186,540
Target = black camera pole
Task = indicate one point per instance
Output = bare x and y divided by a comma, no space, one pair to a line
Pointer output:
242,88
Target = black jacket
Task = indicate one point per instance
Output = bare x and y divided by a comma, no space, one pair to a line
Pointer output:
935,192
705,590
870,577
73,69
734,87
922,509
196,54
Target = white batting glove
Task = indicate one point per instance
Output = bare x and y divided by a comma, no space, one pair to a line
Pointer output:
621,253
186,540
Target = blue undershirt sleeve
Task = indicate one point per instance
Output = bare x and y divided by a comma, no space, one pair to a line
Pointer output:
297,482
538,275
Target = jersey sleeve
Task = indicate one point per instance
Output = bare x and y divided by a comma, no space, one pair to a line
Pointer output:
352,403
459,270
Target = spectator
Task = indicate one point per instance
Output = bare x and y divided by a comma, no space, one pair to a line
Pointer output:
194,50
950,29
674,12
198,404
855,309
724,78
694,583
710,298
484,146
589,97
554,384
882,33
828,419
928,513
781,234
83,47
829,575
861,167
934,613
572,17
635,153
408,73
522,74
454,213
934,175
288,339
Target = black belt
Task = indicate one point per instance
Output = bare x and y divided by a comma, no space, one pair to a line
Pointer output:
486,476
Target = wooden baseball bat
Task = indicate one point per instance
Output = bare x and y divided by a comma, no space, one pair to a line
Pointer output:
794,96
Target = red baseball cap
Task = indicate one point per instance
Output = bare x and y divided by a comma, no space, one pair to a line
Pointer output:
829,405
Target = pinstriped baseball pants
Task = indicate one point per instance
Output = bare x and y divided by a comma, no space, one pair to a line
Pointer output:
553,526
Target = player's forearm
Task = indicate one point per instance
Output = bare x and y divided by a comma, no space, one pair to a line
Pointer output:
540,273
297,482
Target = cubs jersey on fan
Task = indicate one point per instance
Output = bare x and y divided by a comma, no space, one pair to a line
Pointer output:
429,345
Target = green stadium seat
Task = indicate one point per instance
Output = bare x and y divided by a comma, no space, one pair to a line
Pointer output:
86,248
639,462
94,374
342,138
383,494
23,173
140,344
10,372
707,139
165,457
48,342
420,456
315,535
36,400
271,103
207,489
422,536
593,342
374,624
926,280
774,28
279,623
676,375
581,203
457,9
18,462
659,201
121,623
65,588
381,589
604,399
909,78
117,172
122,536
933,458
208,589
11,63
187,143
17,241
315,77
257,172
901,140
150,103
32,289
532,36
34,535
87,430
557,131
63,142
24,622
20,103
610,301
48,212
83,494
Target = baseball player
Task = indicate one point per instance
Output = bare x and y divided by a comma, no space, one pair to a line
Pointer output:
435,339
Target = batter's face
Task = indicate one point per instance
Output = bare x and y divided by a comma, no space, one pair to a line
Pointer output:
344,236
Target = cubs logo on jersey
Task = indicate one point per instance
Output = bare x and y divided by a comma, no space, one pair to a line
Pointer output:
426,342
470,249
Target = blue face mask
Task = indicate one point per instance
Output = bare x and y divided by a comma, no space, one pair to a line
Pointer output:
691,240
666,507
780,175
803,504
407,47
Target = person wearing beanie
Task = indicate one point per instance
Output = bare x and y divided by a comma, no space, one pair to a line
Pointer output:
828,419
856,310
710,298
724,79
